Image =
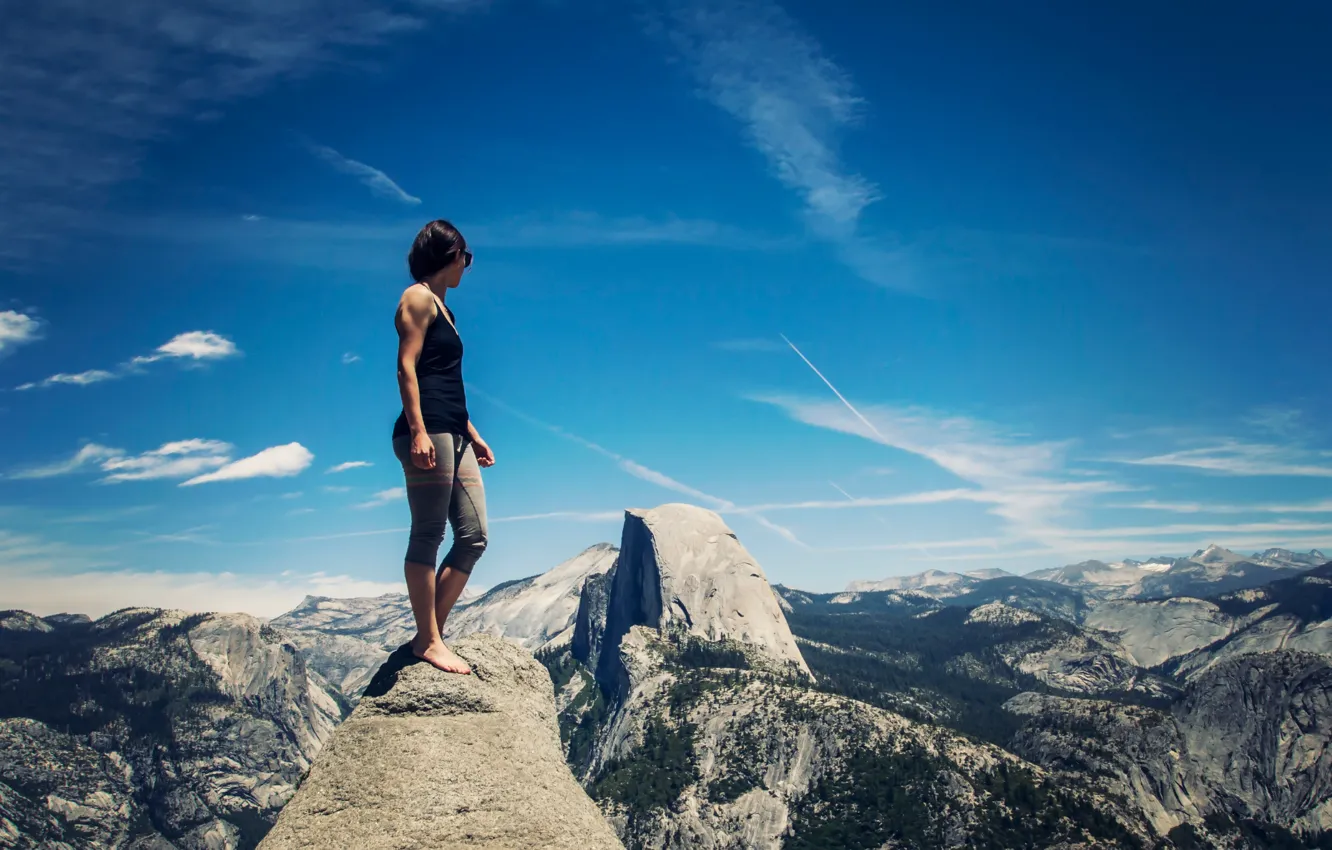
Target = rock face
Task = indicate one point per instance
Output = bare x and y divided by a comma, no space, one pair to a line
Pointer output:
1249,740
682,570
430,759
154,729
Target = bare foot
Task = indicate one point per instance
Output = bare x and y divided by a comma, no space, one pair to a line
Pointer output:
441,656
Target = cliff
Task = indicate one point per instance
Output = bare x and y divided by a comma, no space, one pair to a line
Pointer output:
430,759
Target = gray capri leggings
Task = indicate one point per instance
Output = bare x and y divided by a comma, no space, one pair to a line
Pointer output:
449,493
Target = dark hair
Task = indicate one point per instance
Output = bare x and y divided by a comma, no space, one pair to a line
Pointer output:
438,244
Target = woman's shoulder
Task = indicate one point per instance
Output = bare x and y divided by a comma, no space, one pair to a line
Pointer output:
417,299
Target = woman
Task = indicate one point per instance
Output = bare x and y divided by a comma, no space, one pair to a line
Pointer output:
436,442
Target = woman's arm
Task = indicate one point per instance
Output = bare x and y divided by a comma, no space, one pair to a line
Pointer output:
413,318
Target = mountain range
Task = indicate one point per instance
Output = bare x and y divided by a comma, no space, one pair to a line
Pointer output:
699,706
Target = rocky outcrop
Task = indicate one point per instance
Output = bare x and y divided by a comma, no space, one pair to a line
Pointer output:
431,759
347,640
682,571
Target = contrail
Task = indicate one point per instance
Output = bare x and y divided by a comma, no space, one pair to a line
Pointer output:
849,406
638,470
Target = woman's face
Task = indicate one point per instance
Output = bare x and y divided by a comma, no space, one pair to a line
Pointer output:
453,272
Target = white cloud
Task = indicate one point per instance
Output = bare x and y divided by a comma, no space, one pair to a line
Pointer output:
374,179
351,464
384,497
192,345
349,357
16,329
275,462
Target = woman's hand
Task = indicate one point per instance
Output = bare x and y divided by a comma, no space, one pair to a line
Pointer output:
484,456
423,451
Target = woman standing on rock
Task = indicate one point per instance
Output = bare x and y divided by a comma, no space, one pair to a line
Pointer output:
436,442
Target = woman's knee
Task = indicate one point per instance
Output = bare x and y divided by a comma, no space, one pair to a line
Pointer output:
467,550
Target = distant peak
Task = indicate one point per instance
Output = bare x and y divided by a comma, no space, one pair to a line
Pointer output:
1214,553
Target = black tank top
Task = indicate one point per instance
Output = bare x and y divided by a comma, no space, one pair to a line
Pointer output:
439,379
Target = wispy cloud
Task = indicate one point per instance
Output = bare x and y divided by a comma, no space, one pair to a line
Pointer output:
78,379
188,535
172,460
192,346
384,497
572,516
275,462
1234,457
932,497
756,63
86,87
349,358
1019,478
17,329
1323,507
351,464
89,454
374,179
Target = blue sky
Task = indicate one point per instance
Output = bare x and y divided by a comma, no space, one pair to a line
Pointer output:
891,290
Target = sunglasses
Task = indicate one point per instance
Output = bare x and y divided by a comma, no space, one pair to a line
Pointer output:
467,259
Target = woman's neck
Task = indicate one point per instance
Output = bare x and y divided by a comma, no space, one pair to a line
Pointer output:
436,292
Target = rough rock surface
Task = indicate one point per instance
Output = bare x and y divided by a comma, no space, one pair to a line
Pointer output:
1250,739
429,759
682,570
1156,631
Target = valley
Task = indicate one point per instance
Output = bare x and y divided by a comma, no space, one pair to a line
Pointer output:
699,706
